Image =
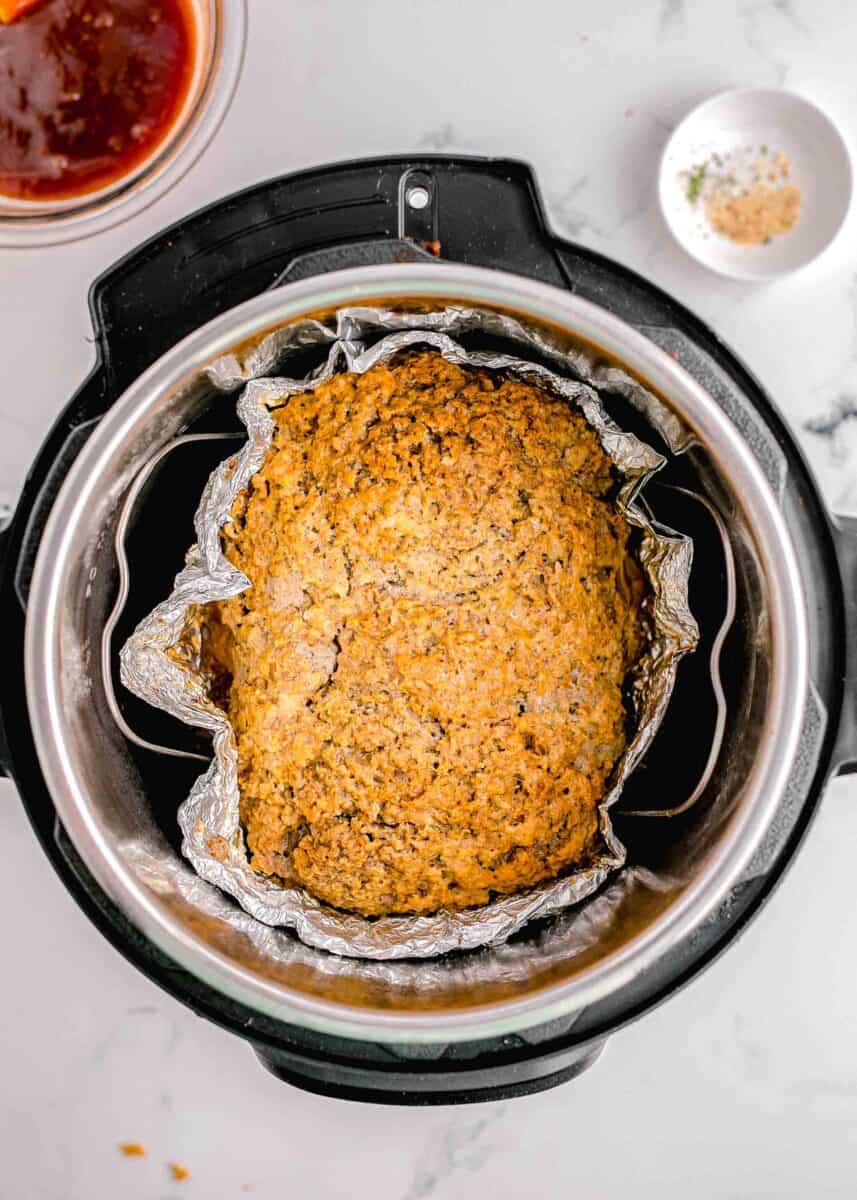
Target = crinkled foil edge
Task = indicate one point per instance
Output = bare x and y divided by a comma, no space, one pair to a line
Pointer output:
213,839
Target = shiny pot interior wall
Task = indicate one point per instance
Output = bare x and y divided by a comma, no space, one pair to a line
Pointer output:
126,799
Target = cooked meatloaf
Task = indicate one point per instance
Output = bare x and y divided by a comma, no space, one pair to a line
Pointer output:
426,676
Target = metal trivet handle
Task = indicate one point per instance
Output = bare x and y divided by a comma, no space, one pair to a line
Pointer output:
713,667
124,585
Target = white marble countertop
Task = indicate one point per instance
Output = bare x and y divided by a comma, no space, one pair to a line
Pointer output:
745,1085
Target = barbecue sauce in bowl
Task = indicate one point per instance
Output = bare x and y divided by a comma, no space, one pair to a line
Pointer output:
89,90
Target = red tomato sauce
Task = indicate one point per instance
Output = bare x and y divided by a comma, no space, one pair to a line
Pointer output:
88,90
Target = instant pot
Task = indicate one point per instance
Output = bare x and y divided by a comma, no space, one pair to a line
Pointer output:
502,1021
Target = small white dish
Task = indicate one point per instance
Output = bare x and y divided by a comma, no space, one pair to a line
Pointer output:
738,122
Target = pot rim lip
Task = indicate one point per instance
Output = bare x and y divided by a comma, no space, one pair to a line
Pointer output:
722,868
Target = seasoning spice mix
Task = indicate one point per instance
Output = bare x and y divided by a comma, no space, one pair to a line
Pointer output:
746,195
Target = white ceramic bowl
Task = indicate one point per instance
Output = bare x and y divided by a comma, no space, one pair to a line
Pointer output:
783,122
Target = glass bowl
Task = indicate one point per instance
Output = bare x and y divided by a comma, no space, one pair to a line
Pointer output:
221,27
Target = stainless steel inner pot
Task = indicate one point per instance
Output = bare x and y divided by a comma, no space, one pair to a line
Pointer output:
106,811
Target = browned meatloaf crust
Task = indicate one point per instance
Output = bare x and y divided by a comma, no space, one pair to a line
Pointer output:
427,672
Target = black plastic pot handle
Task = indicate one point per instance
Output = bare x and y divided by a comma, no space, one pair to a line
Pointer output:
845,748
67,452
5,535
5,538
19,544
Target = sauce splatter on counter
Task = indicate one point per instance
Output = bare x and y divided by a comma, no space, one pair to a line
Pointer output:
132,1149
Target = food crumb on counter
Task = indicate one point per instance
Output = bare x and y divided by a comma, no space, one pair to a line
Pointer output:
132,1149
179,1173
